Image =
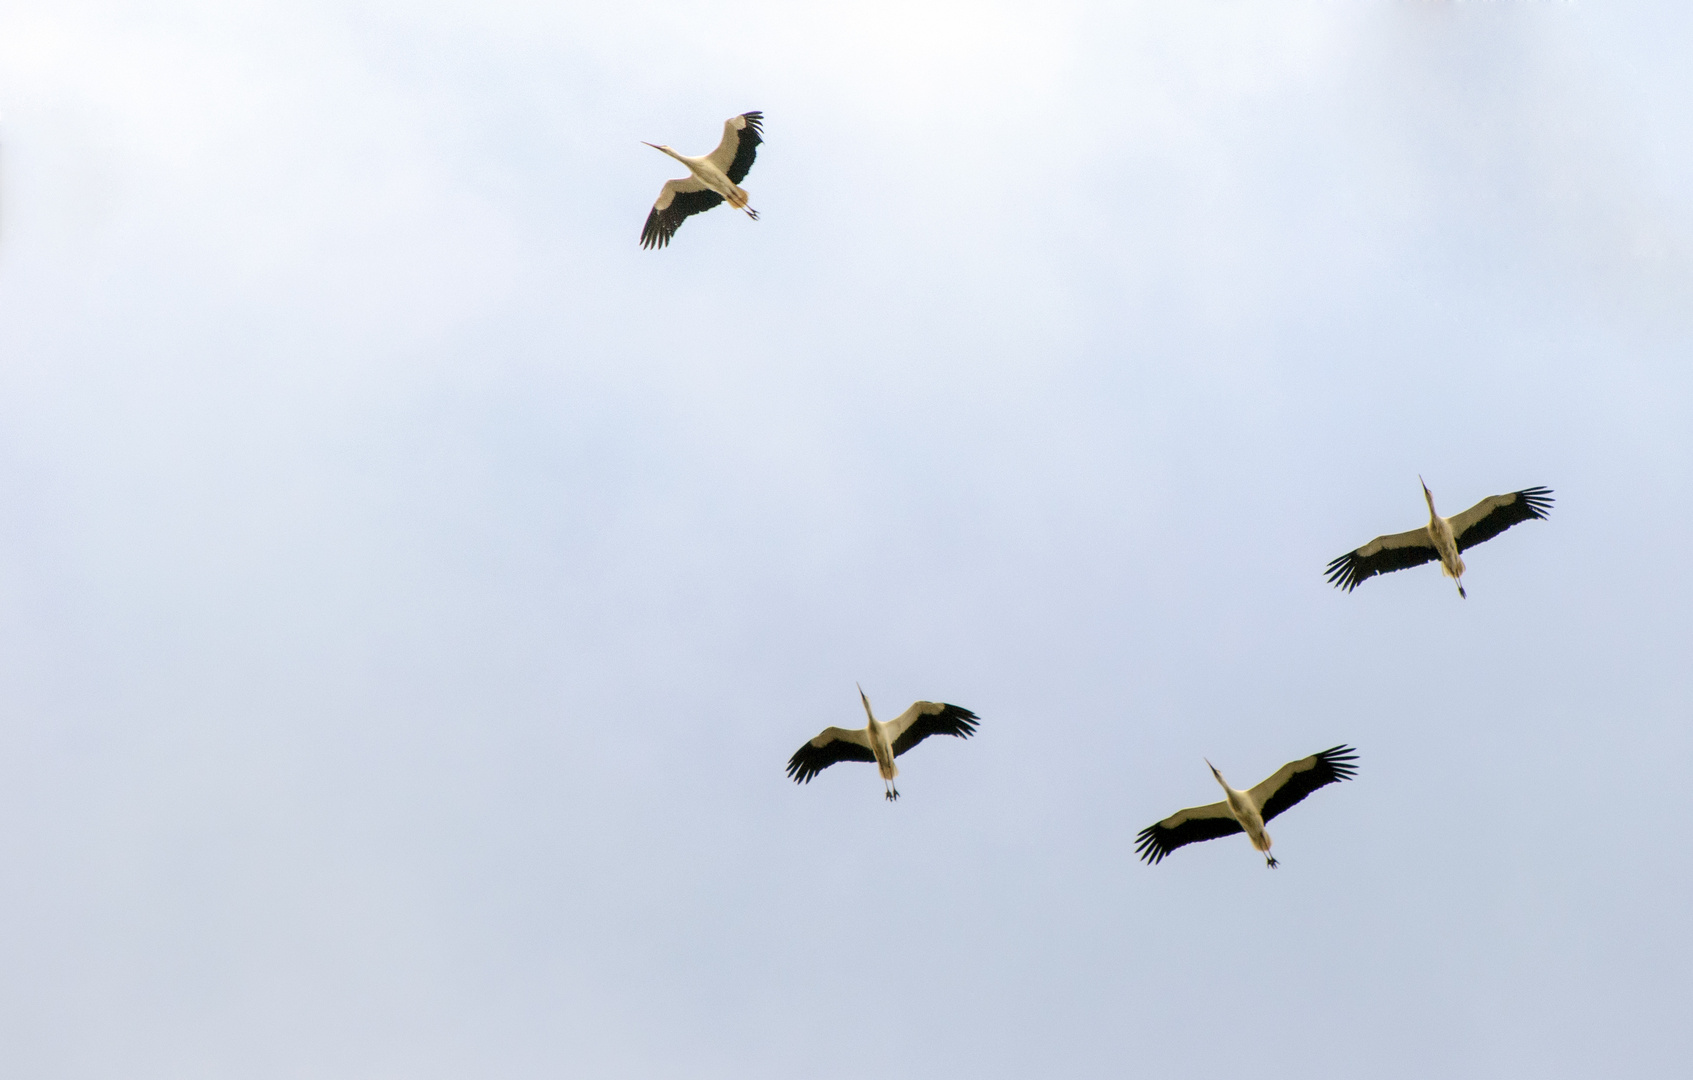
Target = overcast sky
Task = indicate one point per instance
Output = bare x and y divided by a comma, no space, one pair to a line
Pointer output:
411,590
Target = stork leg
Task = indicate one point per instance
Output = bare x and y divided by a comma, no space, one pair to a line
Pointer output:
738,199
1270,862
1462,595
892,793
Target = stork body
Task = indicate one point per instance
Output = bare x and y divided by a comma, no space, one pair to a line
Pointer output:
1247,811
1445,544
1247,815
1442,538
880,742
713,178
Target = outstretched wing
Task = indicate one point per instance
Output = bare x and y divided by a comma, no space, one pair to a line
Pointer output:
677,201
1185,827
1493,515
741,136
927,718
1297,779
1382,555
834,744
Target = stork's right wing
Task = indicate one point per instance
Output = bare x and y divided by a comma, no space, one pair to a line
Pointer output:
1496,513
741,136
677,201
834,744
926,718
1185,827
1382,555
1297,779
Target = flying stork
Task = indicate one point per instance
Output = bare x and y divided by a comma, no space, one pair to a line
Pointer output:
880,742
1247,811
1442,538
713,178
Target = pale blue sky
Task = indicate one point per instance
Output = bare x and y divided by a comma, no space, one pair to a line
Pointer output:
411,590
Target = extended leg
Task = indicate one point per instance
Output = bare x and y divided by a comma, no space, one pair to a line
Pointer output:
1270,862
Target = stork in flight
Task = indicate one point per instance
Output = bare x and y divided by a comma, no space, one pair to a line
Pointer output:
1247,811
1442,538
712,178
880,742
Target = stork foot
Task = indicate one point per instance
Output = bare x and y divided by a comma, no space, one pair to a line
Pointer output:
1270,862
891,794
751,212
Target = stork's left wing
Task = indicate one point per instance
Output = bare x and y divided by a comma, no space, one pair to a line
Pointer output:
677,201
1383,555
831,745
741,136
927,718
1297,779
1185,827
1496,513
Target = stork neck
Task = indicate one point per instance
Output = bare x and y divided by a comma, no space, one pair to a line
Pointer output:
1224,784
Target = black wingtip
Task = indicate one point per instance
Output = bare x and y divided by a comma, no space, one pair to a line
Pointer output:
967,721
1343,572
797,772
1538,500
653,233
1148,848
1340,760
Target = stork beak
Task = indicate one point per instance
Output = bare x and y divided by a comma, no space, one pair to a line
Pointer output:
866,701
1425,486
645,143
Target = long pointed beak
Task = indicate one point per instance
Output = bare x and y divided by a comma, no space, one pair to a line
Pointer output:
866,701
645,143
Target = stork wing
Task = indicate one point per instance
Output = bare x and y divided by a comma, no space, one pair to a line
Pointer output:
741,136
834,744
1493,515
927,718
1185,827
677,200
1382,555
1297,779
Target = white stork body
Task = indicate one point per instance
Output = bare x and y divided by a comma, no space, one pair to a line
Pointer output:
1247,814
712,179
1442,538
1445,543
880,742
1247,811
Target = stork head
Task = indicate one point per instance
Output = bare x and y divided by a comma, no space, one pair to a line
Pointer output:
660,148
1217,774
866,701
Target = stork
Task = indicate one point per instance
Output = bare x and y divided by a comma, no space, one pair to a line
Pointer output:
712,178
1442,538
880,742
1247,811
